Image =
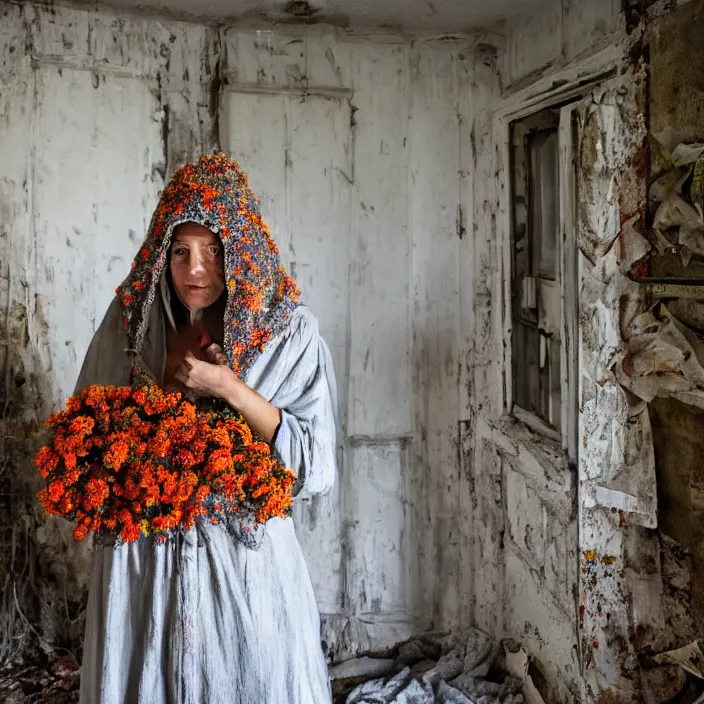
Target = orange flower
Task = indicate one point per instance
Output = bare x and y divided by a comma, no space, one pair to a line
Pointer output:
96,491
81,425
220,461
260,447
202,494
56,490
261,490
71,477
183,492
67,505
46,461
151,496
117,455
135,461
130,533
184,458
220,437
80,533
94,396
160,445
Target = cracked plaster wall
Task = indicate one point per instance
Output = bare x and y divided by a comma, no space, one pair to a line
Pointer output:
360,150
95,111
575,561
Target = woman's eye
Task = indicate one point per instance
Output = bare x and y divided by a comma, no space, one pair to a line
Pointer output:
215,251
179,251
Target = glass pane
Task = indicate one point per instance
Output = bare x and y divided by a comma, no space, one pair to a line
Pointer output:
545,203
555,384
522,250
526,366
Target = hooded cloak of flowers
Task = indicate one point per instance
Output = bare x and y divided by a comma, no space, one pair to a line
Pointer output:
261,296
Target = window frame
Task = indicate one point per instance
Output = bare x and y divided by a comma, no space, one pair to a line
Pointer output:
568,268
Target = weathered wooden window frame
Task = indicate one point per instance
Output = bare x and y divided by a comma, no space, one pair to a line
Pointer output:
569,275
536,267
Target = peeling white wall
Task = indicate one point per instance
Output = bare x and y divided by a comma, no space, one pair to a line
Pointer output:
359,150
565,30
552,560
94,111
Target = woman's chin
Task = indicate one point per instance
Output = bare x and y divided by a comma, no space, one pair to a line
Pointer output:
196,302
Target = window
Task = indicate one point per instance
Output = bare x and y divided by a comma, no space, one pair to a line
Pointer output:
536,286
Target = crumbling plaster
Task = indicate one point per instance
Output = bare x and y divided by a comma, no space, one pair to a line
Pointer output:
592,623
502,527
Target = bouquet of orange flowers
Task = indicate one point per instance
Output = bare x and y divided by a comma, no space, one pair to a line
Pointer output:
128,462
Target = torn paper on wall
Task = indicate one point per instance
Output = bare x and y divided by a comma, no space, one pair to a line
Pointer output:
686,154
674,213
690,658
663,357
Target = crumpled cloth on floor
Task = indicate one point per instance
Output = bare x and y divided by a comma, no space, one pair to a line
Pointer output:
443,669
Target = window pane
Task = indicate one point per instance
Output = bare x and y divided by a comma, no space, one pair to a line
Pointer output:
526,366
555,418
536,269
544,205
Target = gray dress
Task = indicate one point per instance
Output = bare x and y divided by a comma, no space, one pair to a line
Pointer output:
204,619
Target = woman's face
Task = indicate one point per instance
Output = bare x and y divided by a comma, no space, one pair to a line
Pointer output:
197,266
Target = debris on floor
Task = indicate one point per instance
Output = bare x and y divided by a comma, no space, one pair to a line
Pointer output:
38,678
466,667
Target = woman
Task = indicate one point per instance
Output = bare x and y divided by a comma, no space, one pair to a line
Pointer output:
220,614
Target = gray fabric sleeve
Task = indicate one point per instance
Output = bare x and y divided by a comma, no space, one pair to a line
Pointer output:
306,438
107,361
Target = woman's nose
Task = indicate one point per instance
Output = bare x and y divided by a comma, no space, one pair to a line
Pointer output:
196,263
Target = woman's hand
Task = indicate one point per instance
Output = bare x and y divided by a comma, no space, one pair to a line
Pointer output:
217,380
213,379
214,354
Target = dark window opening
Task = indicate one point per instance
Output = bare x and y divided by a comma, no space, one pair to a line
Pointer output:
536,273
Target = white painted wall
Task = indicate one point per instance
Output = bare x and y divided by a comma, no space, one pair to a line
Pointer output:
84,99
358,147
358,150
551,39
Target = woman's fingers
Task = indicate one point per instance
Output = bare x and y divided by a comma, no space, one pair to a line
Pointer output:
181,376
214,354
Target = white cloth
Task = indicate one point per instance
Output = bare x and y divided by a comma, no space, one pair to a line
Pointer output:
462,661
205,620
